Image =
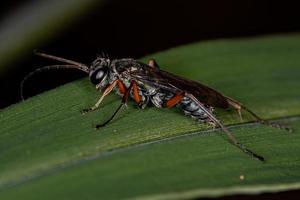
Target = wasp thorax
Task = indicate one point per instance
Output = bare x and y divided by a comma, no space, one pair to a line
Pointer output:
99,70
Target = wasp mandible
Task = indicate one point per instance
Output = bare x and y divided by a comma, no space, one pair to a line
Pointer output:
148,84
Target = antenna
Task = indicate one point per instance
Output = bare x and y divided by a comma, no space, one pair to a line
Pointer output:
82,66
70,64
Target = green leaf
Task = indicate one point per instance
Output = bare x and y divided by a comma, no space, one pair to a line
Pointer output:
49,150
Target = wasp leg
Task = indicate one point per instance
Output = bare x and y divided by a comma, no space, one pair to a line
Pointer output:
137,98
122,90
121,86
174,100
229,134
123,102
105,93
239,106
152,63
236,105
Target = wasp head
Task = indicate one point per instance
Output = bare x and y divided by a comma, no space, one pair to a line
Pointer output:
99,71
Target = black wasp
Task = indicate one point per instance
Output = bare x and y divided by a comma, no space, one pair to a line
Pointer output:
147,83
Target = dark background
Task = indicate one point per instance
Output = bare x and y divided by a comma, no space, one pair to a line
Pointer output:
135,28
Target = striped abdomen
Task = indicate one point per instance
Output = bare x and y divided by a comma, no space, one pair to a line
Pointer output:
189,107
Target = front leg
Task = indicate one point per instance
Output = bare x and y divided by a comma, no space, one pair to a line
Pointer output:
122,90
133,86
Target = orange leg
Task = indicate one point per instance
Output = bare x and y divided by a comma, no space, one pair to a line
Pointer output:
174,100
136,95
236,105
239,106
152,63
137,98
121,86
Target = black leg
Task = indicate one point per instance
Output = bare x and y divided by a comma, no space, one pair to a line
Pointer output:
111,118
124,101
231,137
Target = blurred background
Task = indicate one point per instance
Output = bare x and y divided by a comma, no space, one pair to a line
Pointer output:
82,29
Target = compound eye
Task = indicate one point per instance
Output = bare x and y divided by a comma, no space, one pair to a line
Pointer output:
97,76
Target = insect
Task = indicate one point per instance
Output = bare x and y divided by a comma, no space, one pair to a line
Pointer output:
148,84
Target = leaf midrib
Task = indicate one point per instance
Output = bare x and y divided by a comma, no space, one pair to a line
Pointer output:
73,163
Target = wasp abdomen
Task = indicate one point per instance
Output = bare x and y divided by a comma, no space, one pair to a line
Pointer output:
189,107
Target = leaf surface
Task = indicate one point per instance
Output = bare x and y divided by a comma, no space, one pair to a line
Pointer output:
49,148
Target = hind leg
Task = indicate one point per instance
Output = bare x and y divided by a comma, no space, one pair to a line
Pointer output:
239,106
236,105
152,63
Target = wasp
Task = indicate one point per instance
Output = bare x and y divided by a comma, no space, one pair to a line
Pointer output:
148,84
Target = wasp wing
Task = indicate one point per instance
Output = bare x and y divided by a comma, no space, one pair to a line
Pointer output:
173,83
